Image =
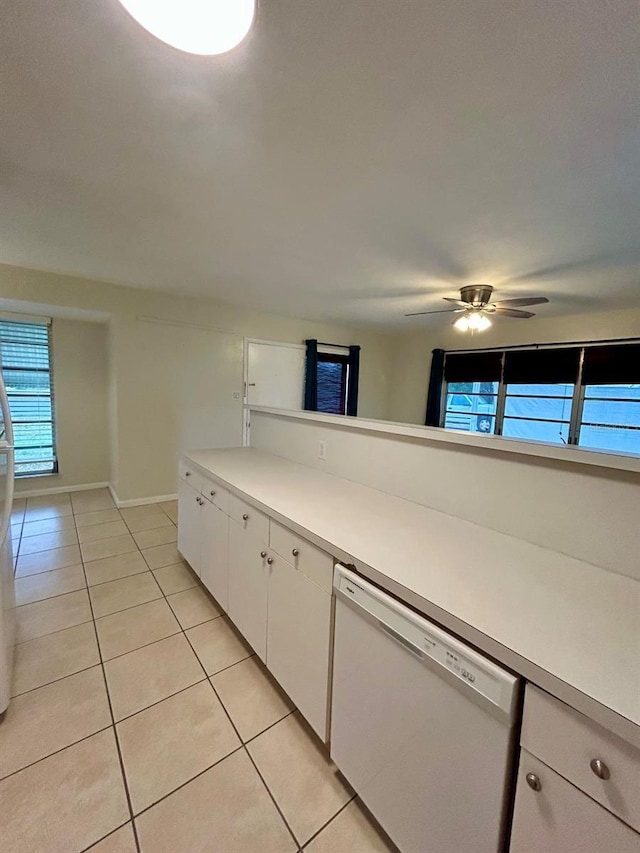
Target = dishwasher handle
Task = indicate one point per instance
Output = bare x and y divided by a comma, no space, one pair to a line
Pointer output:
406,644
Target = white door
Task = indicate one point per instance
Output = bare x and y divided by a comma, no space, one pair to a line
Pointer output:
554,817
248,586
214,554
275,374
298,641
189,524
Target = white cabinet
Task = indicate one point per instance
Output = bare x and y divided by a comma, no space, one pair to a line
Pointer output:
203,537
574,778
279,597
189,523
552,816
214,552
249,583
299,640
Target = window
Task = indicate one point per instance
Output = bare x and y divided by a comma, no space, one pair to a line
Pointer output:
333,372
471,406
472,391
538,412
331,378
611,418
539,389
578,395
25,350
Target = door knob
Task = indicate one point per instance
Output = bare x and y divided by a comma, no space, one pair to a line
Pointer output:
533,782
295,552
600,768
263,554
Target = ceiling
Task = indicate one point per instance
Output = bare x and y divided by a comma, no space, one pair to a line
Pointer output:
351,160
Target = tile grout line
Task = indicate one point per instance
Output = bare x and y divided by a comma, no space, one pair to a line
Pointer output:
331,819
224,708
60,749
243,745
113,722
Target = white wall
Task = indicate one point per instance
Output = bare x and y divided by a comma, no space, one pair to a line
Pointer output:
171,383
579,510
80,376
411,352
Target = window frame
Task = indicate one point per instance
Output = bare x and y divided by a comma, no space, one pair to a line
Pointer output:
54,469
576,412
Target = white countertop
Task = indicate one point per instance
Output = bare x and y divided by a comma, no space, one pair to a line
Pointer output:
568,626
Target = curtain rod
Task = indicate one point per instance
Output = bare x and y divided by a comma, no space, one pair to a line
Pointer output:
557,345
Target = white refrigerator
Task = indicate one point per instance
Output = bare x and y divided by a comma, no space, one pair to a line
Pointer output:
7,587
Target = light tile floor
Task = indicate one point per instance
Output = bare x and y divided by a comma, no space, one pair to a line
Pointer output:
141,720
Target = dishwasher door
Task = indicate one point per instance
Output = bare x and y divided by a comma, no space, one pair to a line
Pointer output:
422,725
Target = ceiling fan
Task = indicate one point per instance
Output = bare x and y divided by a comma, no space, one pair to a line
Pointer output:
475,307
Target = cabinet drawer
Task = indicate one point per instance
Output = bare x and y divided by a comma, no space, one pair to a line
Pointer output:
256,523
216,494
188,472
569,742
555,817
307,558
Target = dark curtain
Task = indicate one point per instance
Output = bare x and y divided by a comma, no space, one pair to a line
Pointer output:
311,376
434,395
354,376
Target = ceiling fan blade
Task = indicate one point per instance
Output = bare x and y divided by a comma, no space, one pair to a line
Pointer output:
456,301
527,300
443,311
513,312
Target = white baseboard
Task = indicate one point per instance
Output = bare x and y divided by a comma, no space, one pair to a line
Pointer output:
57,490
156,499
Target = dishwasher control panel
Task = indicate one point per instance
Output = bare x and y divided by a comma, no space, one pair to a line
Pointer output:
424,639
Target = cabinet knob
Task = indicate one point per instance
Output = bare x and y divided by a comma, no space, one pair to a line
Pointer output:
187,473
212,493
533,782
600,768
245,517
263,554
269,560
295,552
197,500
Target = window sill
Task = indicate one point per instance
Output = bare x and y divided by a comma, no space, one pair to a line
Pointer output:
489,443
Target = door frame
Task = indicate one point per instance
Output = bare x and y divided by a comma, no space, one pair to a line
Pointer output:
246,424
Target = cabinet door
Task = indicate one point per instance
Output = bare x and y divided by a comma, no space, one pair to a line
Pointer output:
248,586
214,553
559,818
299,640
189,521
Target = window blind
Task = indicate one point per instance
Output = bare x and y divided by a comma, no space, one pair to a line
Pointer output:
542,366
606,365
473,367
25,354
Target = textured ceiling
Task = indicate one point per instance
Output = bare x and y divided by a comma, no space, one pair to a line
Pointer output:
352,159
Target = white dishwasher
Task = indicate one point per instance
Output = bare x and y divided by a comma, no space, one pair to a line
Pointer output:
422,725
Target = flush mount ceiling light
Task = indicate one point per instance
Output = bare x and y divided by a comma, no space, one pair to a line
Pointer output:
204,27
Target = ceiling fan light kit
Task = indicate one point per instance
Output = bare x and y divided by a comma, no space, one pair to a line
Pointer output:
472,321
476,308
